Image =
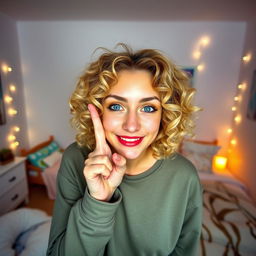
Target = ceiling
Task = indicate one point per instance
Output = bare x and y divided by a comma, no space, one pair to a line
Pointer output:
136,10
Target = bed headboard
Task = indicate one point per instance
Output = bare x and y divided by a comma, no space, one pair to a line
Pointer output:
25,152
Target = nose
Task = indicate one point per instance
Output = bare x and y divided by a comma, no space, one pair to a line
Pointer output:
131,122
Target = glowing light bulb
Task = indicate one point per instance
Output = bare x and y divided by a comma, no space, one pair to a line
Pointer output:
11,138
8,99
238,119
229,130
233,108
12,111
238,98
200,67
247,58
12,88
233,142
16,128
14,145
6,68
242,86
205,41
197,54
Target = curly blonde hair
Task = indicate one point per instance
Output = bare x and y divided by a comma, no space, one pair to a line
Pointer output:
167,79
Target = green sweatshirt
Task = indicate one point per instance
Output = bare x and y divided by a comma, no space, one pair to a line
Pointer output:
155,213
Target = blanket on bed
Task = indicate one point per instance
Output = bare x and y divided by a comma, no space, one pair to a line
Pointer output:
229,220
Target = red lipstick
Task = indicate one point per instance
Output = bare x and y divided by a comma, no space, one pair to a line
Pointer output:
130,141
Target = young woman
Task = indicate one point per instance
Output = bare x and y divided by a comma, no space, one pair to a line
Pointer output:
122,187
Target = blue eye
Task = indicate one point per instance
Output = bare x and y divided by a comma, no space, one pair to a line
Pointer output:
115,107
149,109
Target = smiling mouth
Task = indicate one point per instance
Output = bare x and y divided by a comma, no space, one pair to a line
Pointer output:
130,141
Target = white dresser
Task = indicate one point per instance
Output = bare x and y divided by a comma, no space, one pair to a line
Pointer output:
13,185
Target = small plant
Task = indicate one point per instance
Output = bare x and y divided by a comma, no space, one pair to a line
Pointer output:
6,155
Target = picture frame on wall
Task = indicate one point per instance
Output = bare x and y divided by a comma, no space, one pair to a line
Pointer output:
2,108
191,74
251,108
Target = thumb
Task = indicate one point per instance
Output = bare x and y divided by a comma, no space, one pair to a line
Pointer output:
119,161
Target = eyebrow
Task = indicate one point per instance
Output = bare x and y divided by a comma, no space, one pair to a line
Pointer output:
125,100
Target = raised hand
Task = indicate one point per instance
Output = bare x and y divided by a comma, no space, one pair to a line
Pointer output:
103,170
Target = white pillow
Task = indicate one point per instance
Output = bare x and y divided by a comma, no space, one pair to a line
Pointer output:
200,154
52,158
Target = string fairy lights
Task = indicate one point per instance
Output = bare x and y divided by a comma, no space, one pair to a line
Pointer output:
197,53
238,98
12,112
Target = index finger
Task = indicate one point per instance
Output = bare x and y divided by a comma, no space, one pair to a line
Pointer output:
98,128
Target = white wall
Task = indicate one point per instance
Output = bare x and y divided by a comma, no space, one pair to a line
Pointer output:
9,55
53,55
242,155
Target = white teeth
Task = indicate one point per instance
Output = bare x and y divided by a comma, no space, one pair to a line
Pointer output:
129,139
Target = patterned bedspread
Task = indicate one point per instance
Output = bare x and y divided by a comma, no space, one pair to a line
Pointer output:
229,220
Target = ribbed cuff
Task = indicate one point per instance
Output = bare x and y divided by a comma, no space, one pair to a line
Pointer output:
99,211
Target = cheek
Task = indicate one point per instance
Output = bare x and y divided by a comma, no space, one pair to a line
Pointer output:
110,122
151,124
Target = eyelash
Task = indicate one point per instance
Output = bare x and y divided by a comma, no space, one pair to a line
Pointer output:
113,107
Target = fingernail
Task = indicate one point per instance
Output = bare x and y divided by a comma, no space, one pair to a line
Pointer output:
118,158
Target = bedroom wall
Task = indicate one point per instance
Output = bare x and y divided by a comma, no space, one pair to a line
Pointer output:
54,54
9,55
242,155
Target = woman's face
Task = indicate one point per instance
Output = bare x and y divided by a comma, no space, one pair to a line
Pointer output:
132,114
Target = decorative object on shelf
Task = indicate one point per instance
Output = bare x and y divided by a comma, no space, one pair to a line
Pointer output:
6,156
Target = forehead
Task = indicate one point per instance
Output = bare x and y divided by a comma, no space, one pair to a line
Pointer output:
133,82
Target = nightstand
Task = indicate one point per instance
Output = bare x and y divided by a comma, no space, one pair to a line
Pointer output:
13,184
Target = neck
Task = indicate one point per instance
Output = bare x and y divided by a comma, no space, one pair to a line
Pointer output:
140,164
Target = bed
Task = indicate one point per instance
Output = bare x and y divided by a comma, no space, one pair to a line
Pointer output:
42,164
229,212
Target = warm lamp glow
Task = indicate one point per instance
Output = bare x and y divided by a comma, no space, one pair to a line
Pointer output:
220,162
233,108
8,99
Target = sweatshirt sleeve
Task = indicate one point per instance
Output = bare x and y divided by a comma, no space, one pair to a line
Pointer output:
80,225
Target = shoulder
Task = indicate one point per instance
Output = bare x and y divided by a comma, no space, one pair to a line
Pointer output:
75,151
181,166
185,176
73,159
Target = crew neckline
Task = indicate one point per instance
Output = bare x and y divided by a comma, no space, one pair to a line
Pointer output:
145,174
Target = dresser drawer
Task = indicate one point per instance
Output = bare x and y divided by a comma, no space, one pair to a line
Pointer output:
12,177
14,197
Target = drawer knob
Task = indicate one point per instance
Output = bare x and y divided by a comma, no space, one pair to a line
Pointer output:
15,197
12,179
